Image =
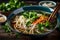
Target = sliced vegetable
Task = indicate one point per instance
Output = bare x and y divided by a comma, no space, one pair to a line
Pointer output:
47,23
40,26
28,23
40,19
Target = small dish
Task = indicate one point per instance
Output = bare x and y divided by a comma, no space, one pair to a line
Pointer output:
47,3
3,18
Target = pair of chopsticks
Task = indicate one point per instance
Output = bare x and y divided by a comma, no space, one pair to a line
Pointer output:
55,11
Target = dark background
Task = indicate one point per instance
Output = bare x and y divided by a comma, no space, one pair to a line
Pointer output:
30,0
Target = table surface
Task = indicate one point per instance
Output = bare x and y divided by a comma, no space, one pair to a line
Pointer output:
55,35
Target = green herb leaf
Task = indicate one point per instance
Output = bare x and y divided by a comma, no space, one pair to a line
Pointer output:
47,23
41,26
6,28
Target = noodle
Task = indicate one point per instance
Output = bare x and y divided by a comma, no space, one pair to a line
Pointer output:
27,24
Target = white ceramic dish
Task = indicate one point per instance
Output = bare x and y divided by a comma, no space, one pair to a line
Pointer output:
47,3
3,18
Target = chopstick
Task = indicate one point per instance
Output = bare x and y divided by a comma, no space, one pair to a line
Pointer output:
55,11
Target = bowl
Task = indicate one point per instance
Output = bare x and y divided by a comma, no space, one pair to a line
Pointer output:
48,4
3,18
26,8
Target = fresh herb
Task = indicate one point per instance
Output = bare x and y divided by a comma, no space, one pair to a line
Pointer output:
6,28
17,35
41,26
47,23
11,5
32,15
28,23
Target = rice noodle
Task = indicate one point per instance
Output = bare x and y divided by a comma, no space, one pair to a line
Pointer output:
20,24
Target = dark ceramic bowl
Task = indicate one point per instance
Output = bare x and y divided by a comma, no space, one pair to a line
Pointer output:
26,8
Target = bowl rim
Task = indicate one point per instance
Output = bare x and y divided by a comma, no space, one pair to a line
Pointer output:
33,34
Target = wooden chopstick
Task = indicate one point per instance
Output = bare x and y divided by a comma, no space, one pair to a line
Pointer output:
55,11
